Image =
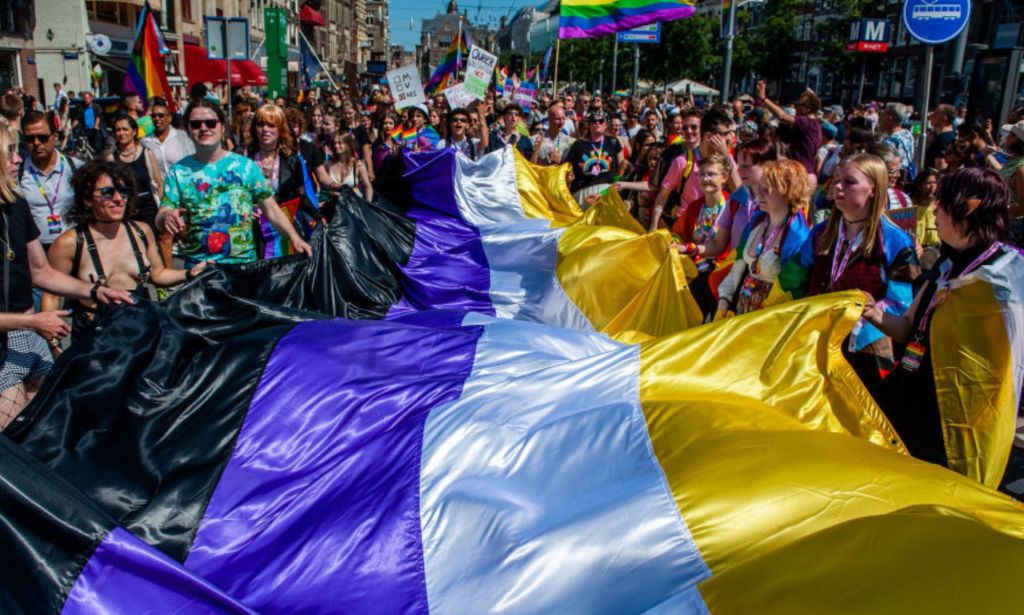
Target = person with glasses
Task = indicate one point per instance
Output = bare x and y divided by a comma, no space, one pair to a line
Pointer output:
45,177
168,144
212,196
25,357
107,245
508,133
800,131
710,134
898,199
458,135
595,161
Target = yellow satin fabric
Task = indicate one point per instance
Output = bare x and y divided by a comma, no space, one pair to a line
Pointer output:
767,436
917,560
974,379
544,192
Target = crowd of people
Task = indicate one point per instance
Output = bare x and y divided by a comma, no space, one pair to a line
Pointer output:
770,201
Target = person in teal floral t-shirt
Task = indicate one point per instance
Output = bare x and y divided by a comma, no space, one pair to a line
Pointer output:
211,197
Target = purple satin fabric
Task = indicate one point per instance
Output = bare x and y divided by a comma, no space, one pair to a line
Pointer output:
448,268
318,509
125,575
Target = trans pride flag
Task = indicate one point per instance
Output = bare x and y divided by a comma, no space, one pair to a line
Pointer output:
589,18
509,418
146,75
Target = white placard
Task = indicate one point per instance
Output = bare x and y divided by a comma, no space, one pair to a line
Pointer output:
406,87
458,96
479,71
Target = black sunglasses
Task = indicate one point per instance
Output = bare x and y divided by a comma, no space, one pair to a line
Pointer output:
39,138
108,191
197,124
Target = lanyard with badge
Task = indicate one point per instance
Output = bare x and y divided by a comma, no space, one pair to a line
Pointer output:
915,348
53,222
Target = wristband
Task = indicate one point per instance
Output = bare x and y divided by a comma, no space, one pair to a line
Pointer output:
188,275
93,294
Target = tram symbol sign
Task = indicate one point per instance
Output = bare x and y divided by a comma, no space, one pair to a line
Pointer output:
936,21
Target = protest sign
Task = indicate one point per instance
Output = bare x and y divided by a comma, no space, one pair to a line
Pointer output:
526,95
406,87
479,71
905,218
458,96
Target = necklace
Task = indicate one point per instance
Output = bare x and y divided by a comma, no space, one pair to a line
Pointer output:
131,155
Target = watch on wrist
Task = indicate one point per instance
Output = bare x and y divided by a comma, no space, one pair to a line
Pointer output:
94,292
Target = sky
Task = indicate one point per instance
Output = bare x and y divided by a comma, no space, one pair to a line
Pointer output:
481,12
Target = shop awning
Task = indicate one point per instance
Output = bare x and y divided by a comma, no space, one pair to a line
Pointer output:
201,69
310,15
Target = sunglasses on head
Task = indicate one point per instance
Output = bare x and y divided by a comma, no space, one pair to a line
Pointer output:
39,138
197,124
109,191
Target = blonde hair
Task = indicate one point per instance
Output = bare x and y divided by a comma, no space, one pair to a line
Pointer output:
718,159
878,174
8,183
272,114
787,178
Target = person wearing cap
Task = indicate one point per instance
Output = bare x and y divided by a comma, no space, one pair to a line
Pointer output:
508,133
801,130
835,115
595,161
1013,171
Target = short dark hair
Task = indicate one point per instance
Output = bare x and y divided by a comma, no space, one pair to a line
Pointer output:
760,150
37,117
713,118
512,107
128,95
978,200
203,103
11,105
158,101
83,182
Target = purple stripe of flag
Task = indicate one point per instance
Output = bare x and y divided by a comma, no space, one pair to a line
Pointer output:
318,509
125,575
448,268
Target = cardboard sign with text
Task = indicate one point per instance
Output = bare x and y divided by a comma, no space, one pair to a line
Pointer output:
406,87
905,218
526,95
479,71
458,96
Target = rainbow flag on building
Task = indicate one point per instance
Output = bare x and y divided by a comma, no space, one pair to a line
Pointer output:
589,18
454,59
146,73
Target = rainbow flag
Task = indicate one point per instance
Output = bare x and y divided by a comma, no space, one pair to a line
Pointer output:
589,18
146,74
500,75
622,93
453,59
396,134
674,139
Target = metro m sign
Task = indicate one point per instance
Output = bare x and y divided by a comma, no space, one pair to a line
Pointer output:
869,35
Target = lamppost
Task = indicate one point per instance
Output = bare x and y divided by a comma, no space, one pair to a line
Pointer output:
733,6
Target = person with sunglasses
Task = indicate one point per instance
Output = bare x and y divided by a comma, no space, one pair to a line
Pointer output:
169,144
211,196
45,177
24,356
595,161
107,245
143,163
458,135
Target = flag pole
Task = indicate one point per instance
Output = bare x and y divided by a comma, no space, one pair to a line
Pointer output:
558,47
458,51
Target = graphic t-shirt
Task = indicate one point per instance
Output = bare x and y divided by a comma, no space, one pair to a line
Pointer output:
593,163
218,200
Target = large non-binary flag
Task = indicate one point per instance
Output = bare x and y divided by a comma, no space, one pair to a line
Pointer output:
588,18
223,454
146,73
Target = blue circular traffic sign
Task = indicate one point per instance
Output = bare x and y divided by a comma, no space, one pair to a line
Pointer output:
936,21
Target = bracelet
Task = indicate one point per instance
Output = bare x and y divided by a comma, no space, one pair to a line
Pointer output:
188,275
93,294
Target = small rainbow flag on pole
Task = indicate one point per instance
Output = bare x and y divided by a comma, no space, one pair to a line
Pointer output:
146,75
454,58
589,18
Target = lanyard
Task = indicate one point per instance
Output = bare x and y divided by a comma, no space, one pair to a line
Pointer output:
274,173
767,240
839,266
705,227
942,287
40,185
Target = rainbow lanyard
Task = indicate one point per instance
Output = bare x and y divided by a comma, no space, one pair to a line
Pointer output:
705,230
41,186
767,240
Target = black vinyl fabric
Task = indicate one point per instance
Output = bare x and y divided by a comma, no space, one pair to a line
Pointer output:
141,415
48,532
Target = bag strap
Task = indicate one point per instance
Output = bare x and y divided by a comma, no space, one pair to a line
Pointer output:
76,262
94,254
139,260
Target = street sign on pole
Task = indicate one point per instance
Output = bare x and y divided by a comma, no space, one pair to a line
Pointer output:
644,34
237,45
936,21
933,22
